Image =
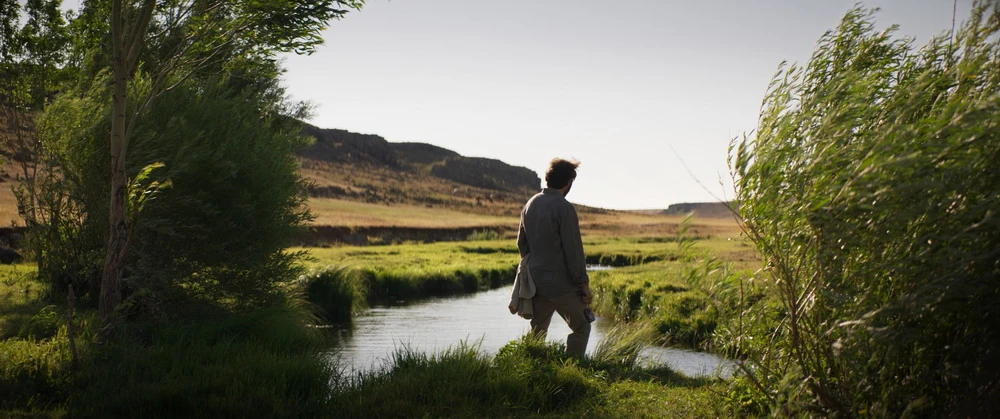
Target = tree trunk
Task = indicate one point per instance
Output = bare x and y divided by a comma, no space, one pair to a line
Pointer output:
114,260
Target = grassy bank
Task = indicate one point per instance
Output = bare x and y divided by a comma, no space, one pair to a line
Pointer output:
526,378
270,363
345,279
686,290
35,359
260,364
209,361
684,287
206,362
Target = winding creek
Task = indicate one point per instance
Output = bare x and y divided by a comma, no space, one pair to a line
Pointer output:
435,324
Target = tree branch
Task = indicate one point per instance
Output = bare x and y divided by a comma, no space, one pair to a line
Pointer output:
136,38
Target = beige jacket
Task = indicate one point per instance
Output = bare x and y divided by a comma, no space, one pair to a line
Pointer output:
550,231
523,291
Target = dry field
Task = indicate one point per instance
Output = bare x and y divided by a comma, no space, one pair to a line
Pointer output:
8,206
637,224
393,200
594,223
337,212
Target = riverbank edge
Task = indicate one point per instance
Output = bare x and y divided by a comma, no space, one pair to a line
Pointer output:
339,292
686,317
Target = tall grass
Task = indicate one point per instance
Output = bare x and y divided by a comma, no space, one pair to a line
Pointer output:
686,288
204,361
528,377
871,190
35,374
335,293
34,353
260,364
208,361
621,345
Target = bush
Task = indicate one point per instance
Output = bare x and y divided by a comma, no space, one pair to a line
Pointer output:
335,292
235,199
871,190
230,198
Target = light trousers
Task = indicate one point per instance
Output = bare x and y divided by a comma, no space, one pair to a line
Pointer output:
570,307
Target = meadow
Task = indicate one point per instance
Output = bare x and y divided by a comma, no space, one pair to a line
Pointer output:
669,281
275,359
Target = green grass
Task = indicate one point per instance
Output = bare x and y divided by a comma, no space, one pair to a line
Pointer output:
35,360
656,292
394,273
271,362
216,363
266,363
391,273
261,364
526,378
677,291
446,256
673,287
21,298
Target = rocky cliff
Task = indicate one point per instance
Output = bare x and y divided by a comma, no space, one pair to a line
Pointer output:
374,152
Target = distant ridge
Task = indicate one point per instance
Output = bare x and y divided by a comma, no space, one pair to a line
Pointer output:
702,209
340,146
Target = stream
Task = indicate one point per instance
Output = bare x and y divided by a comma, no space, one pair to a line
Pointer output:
482,318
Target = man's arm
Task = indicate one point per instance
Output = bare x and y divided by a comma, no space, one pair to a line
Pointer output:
576,262
522,238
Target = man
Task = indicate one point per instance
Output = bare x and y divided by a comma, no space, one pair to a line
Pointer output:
550,232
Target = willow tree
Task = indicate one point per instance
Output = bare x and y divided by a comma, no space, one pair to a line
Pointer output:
158,45
871,191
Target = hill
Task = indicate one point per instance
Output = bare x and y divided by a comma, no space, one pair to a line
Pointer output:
702,209
368,168
364,185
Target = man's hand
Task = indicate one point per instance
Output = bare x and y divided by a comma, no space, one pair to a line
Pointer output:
513,309
587,295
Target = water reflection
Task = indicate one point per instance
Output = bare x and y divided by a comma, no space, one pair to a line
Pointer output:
436,324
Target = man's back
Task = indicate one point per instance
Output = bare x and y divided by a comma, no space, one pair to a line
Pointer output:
550,231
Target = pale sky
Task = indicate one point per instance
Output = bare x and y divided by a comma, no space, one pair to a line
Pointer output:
612,84
619,86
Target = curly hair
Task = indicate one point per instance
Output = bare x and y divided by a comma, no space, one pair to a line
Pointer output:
560,172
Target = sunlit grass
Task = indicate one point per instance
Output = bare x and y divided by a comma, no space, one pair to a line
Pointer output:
528,377
190,367
656,281
21,297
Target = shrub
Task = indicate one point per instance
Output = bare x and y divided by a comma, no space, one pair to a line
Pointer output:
871,190
335,292
230,198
